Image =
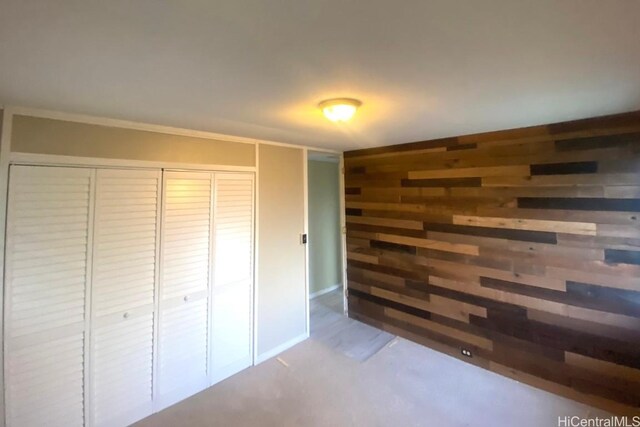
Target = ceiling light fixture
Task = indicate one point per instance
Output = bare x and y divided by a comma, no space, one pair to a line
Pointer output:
339,109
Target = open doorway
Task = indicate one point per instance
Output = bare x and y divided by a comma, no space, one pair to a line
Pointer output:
328,322
326,292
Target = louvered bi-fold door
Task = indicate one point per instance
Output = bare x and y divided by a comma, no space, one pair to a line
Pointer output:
232,285
184,286
126,231
48,247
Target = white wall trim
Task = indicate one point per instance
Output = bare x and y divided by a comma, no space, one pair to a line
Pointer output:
305,178
126,124
61,160
325,291
256,246
158,272
279,349
88,311
5,149
213,193
343,235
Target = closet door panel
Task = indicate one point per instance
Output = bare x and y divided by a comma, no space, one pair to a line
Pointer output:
183,343
47,251
123,295
122,371
232,310
126,227
184,291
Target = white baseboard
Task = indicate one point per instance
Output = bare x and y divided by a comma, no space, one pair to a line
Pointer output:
279,349
325,291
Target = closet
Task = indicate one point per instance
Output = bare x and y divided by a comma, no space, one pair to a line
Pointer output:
125,290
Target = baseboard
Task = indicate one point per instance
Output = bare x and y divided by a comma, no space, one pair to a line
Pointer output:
279,349
325,291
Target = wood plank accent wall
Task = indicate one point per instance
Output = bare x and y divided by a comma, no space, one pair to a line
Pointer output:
522,246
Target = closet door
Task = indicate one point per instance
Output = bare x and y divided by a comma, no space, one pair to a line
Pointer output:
232,308
126,229
47,271
184,286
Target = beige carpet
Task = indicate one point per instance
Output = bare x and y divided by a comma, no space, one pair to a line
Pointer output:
403,384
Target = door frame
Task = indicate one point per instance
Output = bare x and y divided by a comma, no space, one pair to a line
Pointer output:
339,159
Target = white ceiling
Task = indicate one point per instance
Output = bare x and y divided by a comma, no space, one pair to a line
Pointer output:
255,68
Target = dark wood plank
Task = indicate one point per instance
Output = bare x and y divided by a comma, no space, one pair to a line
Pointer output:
622,256
564,168
581,204
597,142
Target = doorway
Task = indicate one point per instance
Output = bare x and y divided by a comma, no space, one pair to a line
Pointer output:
326,293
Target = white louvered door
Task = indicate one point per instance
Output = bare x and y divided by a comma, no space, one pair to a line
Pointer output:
126,291
184,286
232,285
47,270
126,229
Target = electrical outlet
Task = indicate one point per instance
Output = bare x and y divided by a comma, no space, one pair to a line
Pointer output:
466,352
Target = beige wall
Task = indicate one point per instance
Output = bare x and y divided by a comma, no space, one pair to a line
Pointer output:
324,226
281,256
48,136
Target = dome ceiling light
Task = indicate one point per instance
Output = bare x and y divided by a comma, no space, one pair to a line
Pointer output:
339,109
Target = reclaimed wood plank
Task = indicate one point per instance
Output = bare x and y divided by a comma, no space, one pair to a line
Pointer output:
589,229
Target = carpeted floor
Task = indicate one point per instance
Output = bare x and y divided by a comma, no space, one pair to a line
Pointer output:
324,381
